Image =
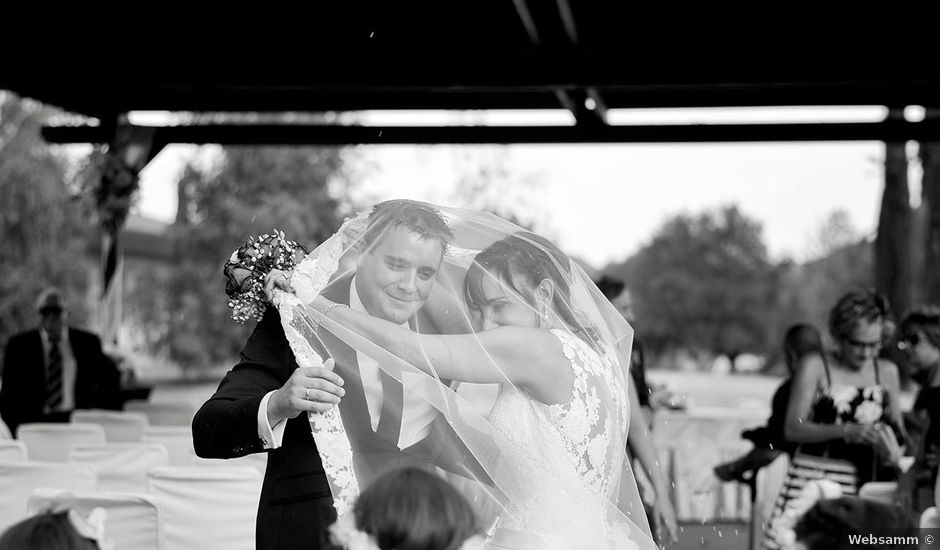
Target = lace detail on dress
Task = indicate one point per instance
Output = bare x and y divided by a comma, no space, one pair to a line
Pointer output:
568,449
586,426
308,280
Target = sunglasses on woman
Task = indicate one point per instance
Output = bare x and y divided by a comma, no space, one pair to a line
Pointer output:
909,341
858,344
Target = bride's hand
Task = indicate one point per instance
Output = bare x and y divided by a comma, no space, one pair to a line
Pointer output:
279,279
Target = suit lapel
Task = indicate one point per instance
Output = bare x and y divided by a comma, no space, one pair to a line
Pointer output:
353,406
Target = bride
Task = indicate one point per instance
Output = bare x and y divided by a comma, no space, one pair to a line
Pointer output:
552,442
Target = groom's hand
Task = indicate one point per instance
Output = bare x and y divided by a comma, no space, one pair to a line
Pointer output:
309,389
277,279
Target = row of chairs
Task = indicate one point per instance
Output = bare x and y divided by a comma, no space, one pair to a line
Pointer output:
51,442
183,507
128,426
124,466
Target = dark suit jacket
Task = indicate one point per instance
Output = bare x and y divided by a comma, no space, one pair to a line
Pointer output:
23,393
296,505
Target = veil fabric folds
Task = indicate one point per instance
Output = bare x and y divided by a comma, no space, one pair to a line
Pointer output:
524,409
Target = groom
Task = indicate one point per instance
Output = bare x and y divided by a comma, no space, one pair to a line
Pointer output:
258,404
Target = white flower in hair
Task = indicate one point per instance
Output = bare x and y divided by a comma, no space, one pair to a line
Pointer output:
91,526
345,534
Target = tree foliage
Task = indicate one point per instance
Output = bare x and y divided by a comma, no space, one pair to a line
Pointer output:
703,282
43,238
249,191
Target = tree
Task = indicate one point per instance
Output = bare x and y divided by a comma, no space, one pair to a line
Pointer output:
893,243
704,282
44,239
836,232
250,191
486,184
930,160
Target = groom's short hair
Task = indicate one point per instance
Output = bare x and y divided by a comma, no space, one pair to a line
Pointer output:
418,217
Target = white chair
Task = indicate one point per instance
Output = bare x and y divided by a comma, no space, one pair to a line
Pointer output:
18,480
258,461
52,442
5,432
207,508
930,519
178,441
164,413
122,467
882,491
133,519
119,426
12,450
769,481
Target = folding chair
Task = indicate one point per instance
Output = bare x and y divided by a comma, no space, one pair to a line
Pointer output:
164,413
17,481
768,482
133,519
122,467
882,491
178,441
12,450
52,442
930,519
119,426
207,508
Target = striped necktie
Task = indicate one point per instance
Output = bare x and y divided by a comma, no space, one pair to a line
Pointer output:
54,375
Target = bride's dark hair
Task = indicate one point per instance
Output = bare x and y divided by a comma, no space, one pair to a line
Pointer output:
412,509
527,258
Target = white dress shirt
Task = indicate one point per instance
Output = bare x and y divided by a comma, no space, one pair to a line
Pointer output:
417,415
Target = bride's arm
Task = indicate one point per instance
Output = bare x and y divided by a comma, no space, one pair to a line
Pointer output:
526,357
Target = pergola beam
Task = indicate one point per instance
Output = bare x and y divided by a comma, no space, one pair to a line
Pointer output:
231,134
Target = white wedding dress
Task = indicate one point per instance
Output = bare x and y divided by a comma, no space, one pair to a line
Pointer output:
570,471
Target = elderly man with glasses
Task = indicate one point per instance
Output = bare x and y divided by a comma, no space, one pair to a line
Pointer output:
54,368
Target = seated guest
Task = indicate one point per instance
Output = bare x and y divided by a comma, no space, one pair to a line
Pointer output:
60,530
54,368
769,442
830,524
408,509
920,340
844,409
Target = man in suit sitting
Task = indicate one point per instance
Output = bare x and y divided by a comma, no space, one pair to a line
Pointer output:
258,404
55,368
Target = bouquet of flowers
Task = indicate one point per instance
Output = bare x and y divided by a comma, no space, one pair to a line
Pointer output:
111,183
246,269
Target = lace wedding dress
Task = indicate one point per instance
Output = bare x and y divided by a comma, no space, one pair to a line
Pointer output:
571,473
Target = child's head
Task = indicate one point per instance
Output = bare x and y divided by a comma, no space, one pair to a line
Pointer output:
830,522
412,509
48,531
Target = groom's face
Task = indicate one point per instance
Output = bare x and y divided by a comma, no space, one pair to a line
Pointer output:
395,275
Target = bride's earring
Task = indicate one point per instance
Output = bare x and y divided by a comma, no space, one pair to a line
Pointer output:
544,314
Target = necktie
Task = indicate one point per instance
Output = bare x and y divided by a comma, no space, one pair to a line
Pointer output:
390,422
54,375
